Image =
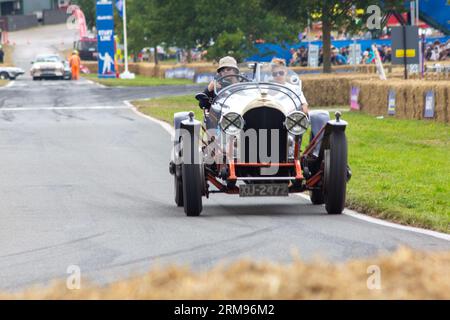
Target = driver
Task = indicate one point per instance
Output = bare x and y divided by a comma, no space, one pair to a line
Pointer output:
280,74
227,66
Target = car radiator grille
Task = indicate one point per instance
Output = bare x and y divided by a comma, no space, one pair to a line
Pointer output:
269,119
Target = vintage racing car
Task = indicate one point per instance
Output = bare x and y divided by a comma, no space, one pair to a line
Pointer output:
249,143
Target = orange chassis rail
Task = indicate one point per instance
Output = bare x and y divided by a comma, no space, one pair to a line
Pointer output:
310,183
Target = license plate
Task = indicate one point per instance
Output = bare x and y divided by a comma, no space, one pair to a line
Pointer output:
264,190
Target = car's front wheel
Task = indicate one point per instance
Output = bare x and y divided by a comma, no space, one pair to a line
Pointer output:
335,173
191,176
178,188
192,189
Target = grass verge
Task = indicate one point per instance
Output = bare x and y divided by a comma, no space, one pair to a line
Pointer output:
400,167
139,81
405,274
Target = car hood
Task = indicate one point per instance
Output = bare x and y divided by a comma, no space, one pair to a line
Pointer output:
48,65
12,69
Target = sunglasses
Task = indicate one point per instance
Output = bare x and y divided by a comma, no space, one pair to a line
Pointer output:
228,69
278,74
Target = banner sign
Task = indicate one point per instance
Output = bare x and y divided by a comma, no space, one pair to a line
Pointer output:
105,37
180,73
354,105
354,56
408,49
313,55
429,105
204,77
379,63
391,103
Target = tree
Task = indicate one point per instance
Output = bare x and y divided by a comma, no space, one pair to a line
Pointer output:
233,26
216,25
145,25
334,14
89,9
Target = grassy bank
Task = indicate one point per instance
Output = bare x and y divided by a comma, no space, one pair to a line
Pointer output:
400,167
139,81
405,275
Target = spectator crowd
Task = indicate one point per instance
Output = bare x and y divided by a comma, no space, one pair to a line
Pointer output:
436,51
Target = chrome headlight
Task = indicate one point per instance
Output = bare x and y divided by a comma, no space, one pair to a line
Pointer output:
232,123
297,123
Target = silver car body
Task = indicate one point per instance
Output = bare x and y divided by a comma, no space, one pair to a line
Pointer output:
47,66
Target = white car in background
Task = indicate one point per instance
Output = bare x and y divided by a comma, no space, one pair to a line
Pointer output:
48,66
10,73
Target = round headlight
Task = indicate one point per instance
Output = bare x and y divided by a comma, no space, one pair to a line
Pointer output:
232,123
297,123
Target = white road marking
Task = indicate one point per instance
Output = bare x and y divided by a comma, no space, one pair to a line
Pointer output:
44,83
360,216
163,124
348,212
64,108
96,83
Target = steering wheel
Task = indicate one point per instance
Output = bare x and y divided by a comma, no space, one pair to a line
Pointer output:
228,80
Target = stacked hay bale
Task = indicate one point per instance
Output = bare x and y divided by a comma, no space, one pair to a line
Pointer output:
91,65
410,97
330,89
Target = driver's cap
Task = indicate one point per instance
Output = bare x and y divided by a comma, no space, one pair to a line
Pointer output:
227,62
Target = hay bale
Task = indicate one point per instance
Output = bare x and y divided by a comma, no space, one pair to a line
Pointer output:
330,89
410,97
406,274
442,102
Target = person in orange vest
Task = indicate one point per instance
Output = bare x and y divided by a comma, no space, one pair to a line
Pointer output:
75,64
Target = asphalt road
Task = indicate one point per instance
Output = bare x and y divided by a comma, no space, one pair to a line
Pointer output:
84,181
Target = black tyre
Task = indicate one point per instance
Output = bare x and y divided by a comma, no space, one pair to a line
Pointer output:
192,189
4,76
316,196
335,173
178,190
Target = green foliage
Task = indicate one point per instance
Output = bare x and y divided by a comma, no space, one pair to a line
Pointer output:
217,26
89,9
233,26
233,44
334,15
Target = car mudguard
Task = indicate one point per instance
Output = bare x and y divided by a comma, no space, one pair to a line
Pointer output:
318,118
332,126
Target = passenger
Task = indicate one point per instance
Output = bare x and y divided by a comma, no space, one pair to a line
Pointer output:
280,73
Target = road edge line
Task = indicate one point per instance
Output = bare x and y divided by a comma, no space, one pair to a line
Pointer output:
347,212
385,223
167,127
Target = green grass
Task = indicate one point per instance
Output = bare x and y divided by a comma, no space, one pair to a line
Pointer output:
139,81
400,167
164,108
